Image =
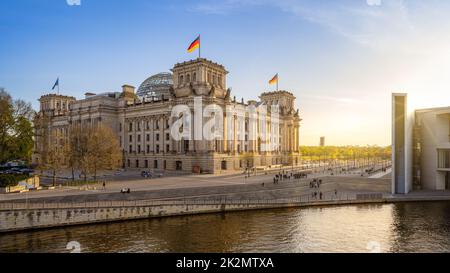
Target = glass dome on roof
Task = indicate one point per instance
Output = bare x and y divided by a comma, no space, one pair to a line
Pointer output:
156,85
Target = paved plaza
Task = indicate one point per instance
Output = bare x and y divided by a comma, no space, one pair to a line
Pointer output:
231,185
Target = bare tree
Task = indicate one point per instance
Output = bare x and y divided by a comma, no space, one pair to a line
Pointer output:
103,150
55,156
93,149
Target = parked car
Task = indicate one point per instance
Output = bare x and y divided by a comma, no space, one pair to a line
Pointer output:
28,171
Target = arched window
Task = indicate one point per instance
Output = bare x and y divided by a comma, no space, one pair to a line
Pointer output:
220,81
181,80
209,77
188,78
194,77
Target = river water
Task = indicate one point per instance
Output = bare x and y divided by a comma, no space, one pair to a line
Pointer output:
407,227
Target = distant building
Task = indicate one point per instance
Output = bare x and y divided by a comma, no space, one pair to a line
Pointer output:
420,147
322,142
142,122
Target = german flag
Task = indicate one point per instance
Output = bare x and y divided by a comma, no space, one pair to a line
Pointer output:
274,80
194,45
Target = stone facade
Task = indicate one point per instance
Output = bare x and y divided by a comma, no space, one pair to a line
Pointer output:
143,123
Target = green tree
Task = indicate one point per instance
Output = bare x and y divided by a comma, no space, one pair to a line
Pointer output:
16,131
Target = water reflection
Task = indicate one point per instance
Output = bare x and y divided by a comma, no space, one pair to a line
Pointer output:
409,227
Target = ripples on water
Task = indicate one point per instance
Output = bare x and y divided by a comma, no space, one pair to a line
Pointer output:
409,227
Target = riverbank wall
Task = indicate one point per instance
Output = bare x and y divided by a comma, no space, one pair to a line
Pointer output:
37,216
21,216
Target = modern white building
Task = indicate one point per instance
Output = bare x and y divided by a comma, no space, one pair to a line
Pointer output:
420,147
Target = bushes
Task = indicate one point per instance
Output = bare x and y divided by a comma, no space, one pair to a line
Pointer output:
11,180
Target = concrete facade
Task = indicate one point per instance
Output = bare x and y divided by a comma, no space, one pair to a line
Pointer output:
433,148
402,153
421,147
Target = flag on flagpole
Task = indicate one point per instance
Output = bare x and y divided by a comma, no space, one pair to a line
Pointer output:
56,84
194,45
274,80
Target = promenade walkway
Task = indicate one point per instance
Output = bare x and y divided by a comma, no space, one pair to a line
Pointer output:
255,188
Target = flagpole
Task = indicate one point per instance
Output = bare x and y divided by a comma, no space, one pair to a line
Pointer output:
199,46
278,79
58,85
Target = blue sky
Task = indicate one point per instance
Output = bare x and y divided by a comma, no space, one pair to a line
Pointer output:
341,59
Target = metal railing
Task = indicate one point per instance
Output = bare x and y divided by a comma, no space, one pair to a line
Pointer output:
327,197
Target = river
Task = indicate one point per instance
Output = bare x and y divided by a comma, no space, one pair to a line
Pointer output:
403,227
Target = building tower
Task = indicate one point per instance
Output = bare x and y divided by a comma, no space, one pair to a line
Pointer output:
199,77
322,141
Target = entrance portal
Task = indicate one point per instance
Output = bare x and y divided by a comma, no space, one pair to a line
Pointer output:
179,165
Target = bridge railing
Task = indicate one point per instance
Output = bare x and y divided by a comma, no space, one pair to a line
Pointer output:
303,199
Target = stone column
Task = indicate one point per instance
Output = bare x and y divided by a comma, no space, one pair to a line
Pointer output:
225,133
234,134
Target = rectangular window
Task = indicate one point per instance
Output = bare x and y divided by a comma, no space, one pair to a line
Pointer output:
167,148
131,138
139,148
137,163
148,148
130,127
155,164
167,136
444,159
130,149
148,137
157,137
139,138
157,149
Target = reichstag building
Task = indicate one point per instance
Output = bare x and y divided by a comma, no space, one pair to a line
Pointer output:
142,120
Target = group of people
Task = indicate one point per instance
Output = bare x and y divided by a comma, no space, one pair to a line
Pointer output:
288,176
315,183
316,194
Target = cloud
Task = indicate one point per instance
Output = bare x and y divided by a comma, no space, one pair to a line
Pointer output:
373,2
341,100
394,25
